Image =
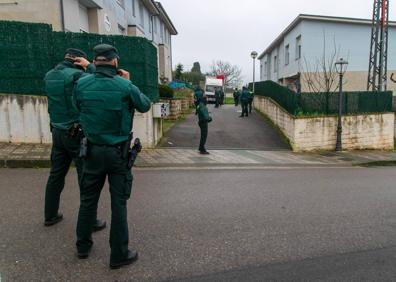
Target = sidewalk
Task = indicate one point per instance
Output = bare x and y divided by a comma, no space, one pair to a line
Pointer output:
38,156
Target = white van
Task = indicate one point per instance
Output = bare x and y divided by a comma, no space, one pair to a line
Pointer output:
210,84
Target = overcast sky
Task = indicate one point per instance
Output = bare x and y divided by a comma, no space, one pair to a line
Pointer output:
229,30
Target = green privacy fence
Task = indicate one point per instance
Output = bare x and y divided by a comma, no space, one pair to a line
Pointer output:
28,51
324,103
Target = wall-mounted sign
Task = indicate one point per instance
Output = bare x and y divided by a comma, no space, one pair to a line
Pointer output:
107,23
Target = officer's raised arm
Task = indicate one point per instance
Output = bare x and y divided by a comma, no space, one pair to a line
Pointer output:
139,101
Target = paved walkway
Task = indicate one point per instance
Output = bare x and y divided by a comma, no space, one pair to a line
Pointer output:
30,155
227,131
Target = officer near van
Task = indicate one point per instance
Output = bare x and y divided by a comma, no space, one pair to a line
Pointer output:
66,132
236,97
222,97
107,100
203,120
244,100
217,96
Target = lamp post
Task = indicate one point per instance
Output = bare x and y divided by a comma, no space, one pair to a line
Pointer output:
254,55
341,66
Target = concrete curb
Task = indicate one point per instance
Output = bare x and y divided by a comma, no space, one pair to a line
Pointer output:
25,163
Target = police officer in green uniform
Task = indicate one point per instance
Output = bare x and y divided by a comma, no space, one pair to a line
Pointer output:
59,84
250,101
107,100
217,97
244,100
203,120
222,96
236,97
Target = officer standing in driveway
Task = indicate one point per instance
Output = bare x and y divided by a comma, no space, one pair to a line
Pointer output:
107,100
59,84
217,97
236,97
203,121
250,101
222,97
244,100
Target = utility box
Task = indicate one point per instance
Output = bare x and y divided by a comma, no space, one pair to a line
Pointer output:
161,110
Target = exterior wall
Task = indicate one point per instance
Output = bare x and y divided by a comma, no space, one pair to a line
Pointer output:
278,115
25,119
36,11
375,131
355,81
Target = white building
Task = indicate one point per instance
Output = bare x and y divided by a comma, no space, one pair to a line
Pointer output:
298,48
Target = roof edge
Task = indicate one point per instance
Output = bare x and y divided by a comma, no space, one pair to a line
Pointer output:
166,19
319,18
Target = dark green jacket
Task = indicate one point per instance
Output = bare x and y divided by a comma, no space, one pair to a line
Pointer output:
203,113
107,102
244,97
198,96
59,85
217,94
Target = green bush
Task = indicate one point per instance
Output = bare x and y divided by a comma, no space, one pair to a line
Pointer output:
165,91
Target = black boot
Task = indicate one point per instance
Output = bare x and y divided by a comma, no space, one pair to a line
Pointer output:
131,258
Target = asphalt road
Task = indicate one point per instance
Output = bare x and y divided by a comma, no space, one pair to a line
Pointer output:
227,131
214,225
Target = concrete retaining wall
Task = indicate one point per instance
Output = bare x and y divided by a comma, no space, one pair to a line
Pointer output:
374,131
24,119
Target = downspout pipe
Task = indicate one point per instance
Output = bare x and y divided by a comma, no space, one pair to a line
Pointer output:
152,27
62,15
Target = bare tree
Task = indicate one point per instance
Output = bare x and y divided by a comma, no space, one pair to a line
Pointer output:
321,75
232,73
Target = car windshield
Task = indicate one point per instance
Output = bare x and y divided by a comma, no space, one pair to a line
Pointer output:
210,88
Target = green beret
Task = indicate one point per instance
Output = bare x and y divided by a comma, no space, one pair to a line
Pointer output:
75,53
105,50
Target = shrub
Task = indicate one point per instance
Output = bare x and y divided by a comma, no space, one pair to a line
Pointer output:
165,91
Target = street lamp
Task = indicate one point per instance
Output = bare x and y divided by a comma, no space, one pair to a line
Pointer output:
254,55
341,67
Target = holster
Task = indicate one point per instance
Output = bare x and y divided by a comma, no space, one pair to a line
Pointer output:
134,152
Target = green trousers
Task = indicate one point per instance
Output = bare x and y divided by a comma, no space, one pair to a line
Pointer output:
64,150
245,110
102,162
203,125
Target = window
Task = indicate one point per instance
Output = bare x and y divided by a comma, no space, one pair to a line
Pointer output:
133,8
265,68
121,3
275,64
155,25
287,55
162,31
83,18
141,14
298,47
